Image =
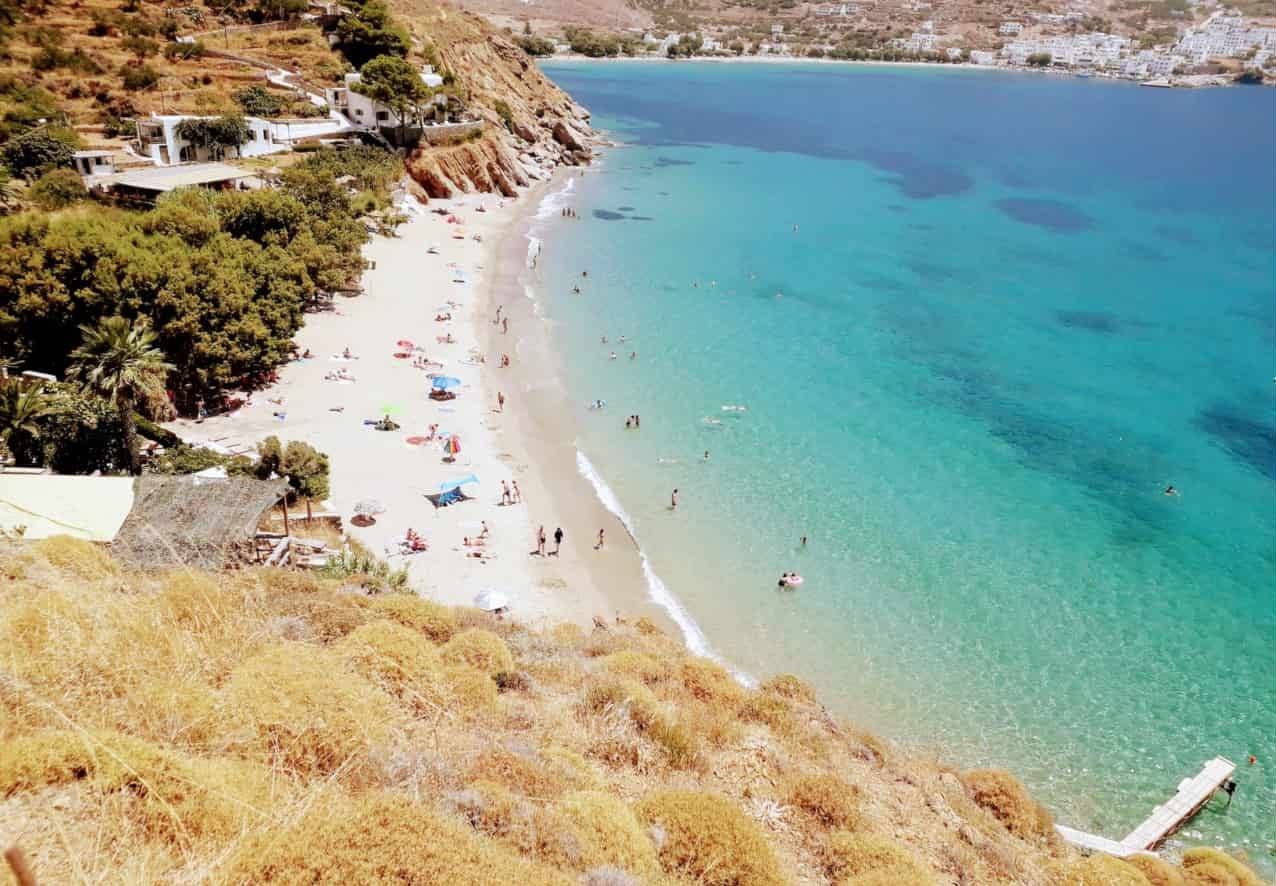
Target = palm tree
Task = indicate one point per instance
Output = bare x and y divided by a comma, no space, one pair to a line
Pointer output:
118,360
21,410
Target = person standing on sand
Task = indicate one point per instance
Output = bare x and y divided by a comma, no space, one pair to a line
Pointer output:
500,401
505,493
498,314
599,546
540,540
505,326
673,501
518,494
485,531
558,541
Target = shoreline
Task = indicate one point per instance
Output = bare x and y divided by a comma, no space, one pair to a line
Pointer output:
530,442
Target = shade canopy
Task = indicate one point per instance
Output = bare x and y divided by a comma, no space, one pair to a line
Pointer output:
490,600
444,382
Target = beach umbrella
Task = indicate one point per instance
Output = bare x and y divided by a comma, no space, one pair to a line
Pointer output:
369,507
490,600
443,382
452,446
457,484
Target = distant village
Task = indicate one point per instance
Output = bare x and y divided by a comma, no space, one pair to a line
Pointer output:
1223,48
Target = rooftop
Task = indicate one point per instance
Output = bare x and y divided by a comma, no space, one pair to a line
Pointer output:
91,508
168,178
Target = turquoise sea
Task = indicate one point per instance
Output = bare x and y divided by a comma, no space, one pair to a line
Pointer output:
980,322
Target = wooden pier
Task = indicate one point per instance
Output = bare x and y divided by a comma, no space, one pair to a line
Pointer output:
1191,796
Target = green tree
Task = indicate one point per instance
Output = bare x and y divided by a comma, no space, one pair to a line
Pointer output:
117,361
141,47
21,408
58,188
226,131
368,33
1040,59
305,467
393,82
138,78
35,152
259,102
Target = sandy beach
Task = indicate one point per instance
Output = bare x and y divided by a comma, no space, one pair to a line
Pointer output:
478,266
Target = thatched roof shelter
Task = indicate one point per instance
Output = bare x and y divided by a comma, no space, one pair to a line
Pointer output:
193,521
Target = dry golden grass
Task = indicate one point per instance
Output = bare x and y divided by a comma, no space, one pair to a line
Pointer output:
707,839
849,855
1008,800
263,725
789,686
411,611
1103,870
1211,867
300,708
380,839
479,649
1157,871
829,801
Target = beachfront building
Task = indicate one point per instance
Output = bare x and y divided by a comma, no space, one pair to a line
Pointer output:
367,113
93,163
1010,29
146,185
1094,50
982,57
1223,36
159,138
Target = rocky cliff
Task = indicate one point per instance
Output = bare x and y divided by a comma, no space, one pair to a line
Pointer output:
531,124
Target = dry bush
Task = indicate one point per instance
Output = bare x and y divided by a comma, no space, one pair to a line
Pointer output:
380,839
1157,871
396,658
647,628
1009,802
570,768
479,649
82,559
465,691
284,582
1212,866
848,855
522,774
708,840
411,611
1103,870
567,635
710,683
173,797
679,744
829,801
331,615
488,807
771,711
297,705
634,699
608,833
636,666
789,686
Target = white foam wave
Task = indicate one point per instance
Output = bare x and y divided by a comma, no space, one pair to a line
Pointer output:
533,249
656,589
555,200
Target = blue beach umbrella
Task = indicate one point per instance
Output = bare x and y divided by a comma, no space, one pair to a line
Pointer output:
443,382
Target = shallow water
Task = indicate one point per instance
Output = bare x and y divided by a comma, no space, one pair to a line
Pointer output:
1013,310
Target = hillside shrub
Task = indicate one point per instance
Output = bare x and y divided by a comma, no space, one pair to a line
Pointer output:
1103,870
1157,871
1010,803
708,840
33,153
379,839
58,189
138,78
432,619
1203,865
829,801
391,656
479,649
297,707
848,855
608,833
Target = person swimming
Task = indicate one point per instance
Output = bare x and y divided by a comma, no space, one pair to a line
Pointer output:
1170,490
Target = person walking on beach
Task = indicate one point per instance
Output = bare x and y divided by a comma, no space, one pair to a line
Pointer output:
505,326
500,401
558,541
599,546
498,314
518,494
673,501
505,494
540,540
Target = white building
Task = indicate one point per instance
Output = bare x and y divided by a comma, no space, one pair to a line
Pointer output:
368,113
982,57
158,139
91,163
1010,29
777,30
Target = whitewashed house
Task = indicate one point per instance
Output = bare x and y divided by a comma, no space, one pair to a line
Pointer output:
91,163
366,113
158,139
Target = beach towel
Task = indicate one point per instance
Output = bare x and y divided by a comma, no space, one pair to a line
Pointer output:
450,497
